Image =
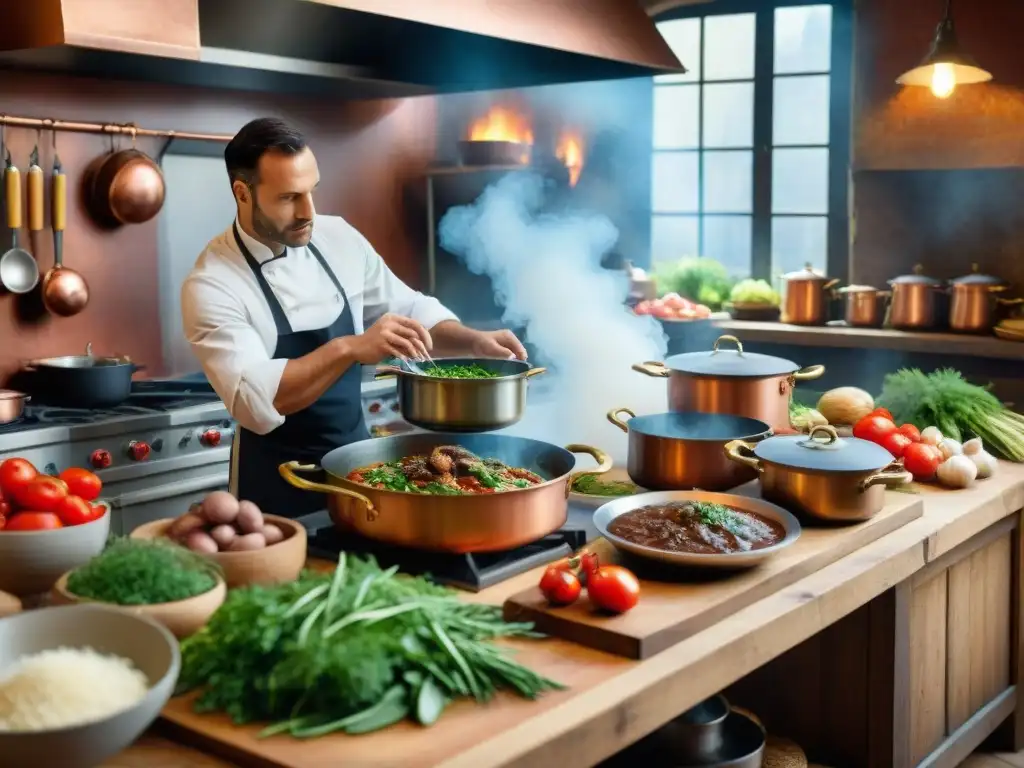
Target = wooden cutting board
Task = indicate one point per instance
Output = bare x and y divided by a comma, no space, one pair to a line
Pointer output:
675,604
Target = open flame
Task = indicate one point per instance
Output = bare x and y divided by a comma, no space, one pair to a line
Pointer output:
570,152
502,124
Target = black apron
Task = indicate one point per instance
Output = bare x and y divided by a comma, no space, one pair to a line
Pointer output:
334,420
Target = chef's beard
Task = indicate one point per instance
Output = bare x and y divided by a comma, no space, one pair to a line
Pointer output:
296,235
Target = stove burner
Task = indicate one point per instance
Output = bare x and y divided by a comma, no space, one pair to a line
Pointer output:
472,572
13,425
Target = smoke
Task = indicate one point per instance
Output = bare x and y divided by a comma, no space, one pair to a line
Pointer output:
546,272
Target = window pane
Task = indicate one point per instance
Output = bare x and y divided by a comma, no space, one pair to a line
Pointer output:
728,115
673,237
676,111
800,113
683,37
803,38
728,239
799,240
800,181
674,182
728,182
729,47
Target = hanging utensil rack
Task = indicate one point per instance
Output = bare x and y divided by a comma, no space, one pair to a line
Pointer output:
126,129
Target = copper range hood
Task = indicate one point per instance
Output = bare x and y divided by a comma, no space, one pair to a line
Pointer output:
355,48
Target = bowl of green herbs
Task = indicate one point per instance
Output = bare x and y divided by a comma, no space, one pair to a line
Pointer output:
157,578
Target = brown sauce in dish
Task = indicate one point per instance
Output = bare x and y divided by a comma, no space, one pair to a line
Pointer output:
697,527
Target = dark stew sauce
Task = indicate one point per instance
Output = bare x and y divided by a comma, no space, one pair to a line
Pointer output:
697,527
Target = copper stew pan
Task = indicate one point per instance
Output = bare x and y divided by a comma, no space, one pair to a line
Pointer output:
470,523
123,187
732,381
680,451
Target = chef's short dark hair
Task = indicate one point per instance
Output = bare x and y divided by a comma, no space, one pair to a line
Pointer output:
242,154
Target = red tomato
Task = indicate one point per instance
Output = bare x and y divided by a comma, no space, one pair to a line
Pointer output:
643,308
73,510
5,509
883,412
911,432
921,460
3,522
560,587
42,493
15,474
613,588
873,428
82,483
34,521
896,443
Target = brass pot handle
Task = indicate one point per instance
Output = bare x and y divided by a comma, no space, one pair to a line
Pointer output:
737,451
830,284
809,373
1009,302
535,372
823,429
604,463
727,337
894,474
288,470
653,368
614,418
386,372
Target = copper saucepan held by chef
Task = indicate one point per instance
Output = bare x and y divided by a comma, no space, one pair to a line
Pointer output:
65,292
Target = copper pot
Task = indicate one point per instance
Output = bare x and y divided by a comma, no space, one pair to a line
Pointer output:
806,297
974,302
864,305
680,451
123,187
732,381
824,476
465,523
12,405
914,299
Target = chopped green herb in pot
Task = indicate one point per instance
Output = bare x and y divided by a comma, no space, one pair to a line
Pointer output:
143,572
592,485
471,371
353,651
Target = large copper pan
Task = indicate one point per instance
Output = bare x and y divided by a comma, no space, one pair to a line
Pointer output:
471,523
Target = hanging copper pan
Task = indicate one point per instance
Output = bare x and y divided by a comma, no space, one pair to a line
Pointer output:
125,186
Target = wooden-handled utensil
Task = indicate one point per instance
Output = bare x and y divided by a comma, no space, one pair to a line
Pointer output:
65,291
18,270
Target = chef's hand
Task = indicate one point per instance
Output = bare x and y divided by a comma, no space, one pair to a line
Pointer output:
499,344
391,336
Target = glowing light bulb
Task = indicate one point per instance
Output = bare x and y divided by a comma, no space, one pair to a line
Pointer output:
943,80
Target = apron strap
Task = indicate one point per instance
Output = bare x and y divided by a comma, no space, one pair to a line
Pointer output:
276,310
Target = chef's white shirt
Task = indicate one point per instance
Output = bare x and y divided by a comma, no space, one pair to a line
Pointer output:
228,322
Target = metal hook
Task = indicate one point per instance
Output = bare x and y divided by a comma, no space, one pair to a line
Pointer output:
34,157
134,131
52,126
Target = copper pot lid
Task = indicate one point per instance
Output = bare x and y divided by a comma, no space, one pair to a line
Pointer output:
12,394
735,363
807,273
976,278
698,427
858,289
916,278
823,451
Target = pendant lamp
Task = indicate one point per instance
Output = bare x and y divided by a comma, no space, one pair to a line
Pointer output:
946,66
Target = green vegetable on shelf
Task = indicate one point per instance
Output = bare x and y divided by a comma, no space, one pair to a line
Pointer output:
698,279
751,291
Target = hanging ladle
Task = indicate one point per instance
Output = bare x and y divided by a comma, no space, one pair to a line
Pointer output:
65,291
18,270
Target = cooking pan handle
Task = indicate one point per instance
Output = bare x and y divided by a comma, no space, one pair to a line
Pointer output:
809,373
653,368
741,452
615,418
386,372
1009,302
894,474
535,372
604,463
727,337
288,470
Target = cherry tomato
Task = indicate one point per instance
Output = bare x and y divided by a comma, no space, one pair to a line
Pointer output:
911,432
73,510
896,443
15,474
5,509
873,428
613,588
82,483
559,586
643,308
921,460
42,493
33,521
883,412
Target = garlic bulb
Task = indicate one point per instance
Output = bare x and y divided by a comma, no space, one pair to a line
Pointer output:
950,447
931,435
985,463
973,446
957,472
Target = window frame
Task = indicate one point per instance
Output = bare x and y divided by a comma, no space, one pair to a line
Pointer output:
840,125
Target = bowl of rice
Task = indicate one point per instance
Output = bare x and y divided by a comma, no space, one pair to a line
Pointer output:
79,683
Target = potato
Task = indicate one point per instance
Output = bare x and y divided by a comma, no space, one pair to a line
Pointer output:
224,535
272,534
249,519
220,507
201,541
248,542
184,525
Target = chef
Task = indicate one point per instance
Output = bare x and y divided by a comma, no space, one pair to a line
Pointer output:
285,307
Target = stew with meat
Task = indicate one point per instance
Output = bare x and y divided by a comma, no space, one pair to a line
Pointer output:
697,527
449,470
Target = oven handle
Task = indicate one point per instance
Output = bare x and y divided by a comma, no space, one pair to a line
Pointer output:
170,490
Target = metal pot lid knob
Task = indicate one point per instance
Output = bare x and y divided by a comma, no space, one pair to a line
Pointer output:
916,278
824,451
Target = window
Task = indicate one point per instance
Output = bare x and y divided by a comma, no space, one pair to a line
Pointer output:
751,145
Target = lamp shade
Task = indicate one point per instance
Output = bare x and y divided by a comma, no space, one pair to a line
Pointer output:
946,64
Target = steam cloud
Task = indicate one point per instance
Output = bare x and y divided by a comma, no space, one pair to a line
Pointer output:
546,271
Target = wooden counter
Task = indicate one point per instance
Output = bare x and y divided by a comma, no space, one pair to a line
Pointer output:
942,593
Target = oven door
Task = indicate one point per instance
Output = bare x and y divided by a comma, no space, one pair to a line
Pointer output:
134,508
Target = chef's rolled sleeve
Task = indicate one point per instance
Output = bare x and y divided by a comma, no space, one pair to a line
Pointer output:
232,354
